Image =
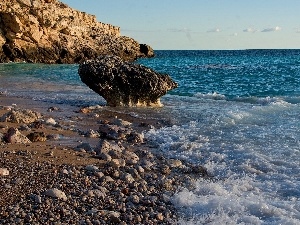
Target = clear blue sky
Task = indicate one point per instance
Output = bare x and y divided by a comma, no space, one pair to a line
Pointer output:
201,24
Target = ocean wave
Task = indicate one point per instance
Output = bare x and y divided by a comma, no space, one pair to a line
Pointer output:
252,99
213,95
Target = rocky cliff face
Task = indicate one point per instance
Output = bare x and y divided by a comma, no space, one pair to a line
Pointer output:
48,31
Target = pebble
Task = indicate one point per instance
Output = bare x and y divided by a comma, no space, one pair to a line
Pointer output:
14,136
51,122
128,178
174,163
56,193
7,186
92,168
160,216
4,172
104,156
86,146
117,163
132,183
120,122
131,158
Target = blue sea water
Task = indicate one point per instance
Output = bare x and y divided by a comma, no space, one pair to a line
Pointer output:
236,113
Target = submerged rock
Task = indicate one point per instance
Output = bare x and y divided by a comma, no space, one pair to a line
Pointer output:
125,84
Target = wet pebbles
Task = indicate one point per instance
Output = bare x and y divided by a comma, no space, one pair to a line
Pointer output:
128,184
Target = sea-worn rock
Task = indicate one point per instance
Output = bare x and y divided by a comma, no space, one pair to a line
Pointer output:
91,168
104,156
56,193
20,116
135,137
51,122
174,163
120,122
117,163
4,172
37,137
122,83
14,136
106,147
48,31
84,146
112,131
131,157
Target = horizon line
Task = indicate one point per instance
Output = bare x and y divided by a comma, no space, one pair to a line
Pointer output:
246,49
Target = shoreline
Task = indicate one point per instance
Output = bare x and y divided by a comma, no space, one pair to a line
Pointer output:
104,169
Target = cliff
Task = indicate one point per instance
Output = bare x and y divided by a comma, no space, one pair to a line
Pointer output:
48,31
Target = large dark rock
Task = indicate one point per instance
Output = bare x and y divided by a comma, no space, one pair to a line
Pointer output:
122,83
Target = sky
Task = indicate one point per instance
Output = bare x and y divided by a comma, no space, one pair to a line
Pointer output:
201,24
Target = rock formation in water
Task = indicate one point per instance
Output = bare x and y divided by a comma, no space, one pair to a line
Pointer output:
48,31
122,83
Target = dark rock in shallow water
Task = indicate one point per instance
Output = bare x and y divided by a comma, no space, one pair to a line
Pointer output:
125,84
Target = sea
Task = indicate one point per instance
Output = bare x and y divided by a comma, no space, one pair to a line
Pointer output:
237,113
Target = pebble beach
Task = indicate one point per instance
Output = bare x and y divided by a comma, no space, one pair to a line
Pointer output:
84,166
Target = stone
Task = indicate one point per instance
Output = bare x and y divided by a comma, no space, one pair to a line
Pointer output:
51,122
92,212
104,156
108,179
122,83
49,31
98,193
112,131
52,109
147,165
112,149
53,137
92,134
14,136
56,193
131,158
86,146
4,172
135,137
20,116
134,199
99,174
36,198
24,127
92,168
117,163
37,137
160,216
128,178
175,163
120,122
140,169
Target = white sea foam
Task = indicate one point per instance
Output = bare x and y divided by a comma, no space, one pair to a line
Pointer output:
213,95
253,152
